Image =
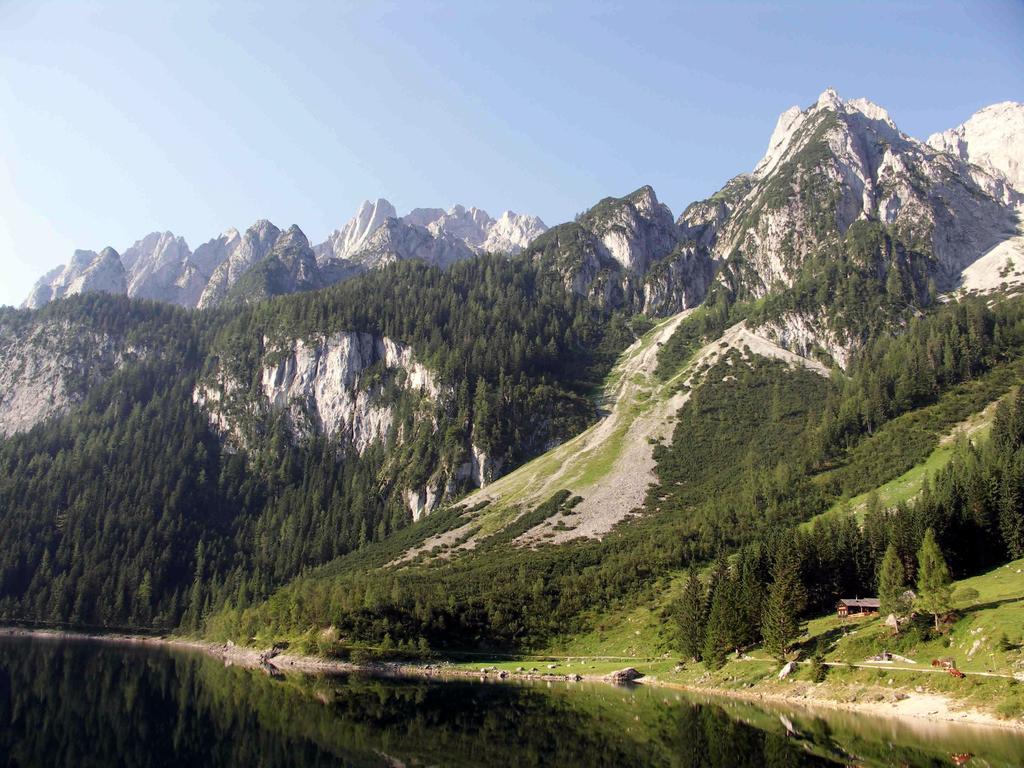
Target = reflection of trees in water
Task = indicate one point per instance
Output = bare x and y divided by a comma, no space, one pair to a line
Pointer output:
88,704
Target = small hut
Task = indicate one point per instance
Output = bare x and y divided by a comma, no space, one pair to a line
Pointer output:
857,606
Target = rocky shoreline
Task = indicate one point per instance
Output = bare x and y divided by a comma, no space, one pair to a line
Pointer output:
933,708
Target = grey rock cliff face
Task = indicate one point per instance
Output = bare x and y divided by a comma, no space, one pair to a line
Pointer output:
213,253
833,164
377,236
993,138
345,242
510,233
161,267
396,240
48,366
335,386
636,230
254,245
838,162
289,267
629,251
87,271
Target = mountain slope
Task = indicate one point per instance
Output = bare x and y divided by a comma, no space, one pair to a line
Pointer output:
846,222
627,252
609,467
333,431
992,138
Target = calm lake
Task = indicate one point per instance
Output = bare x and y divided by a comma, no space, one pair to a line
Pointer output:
81,703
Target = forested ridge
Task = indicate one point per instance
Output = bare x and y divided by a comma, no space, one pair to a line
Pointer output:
131,511
755,454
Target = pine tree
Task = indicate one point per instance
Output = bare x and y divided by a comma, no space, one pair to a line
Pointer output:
892,584
691,617
717,634
1011,510
933,580
780,623
750,593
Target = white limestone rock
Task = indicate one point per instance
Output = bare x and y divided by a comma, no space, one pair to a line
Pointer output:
470,225
213,253
512,232
993,138
635,230
353,237
253,247
376,236
874,172
47,367
423,217
319,384
159,267
396,240
86,272
803,333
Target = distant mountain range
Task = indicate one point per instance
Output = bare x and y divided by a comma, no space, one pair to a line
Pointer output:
960,187
162,267
215,456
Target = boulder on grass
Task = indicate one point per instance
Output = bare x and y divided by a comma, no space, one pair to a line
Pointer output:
626,675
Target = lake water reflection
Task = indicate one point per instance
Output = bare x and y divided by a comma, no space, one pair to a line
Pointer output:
78,703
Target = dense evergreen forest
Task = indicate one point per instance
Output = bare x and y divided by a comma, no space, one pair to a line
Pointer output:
756,452
130,511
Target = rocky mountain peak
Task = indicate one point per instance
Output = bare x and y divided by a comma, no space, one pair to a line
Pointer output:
213,253
646,203
829,99
87,271
293,237
790,133
252,248
397,240
993,138
470,225
261,229
345,242
159,267
635,230
423,217
512,232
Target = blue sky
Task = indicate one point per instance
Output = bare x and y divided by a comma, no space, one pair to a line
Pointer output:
117,119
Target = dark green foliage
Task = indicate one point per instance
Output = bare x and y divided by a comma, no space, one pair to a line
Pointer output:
719,632
933,579
521,353
819,670
892,584
719,496
129,512
102,514
780,623
704,324
892,376
691,615
744,430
